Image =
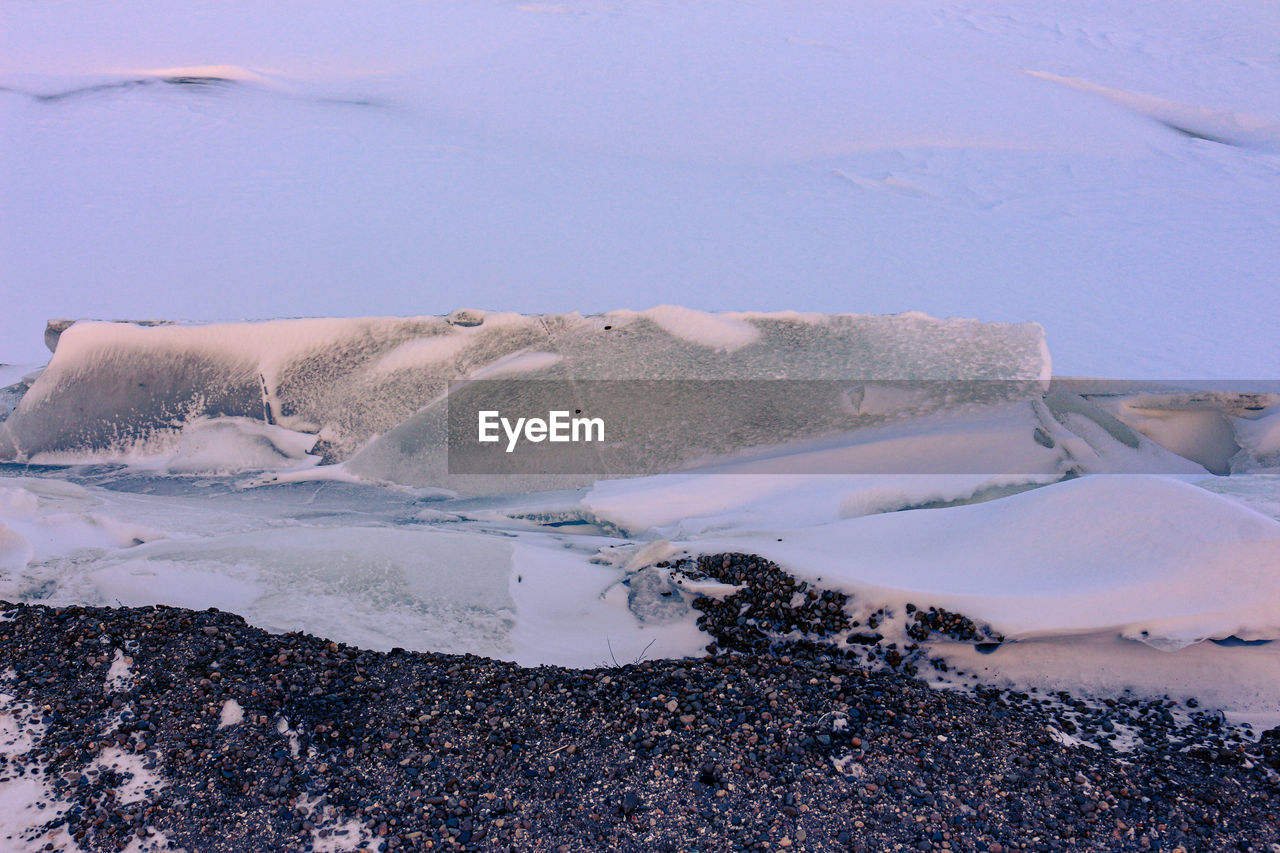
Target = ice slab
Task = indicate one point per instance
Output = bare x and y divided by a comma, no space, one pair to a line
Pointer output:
372,391
373,587
339,563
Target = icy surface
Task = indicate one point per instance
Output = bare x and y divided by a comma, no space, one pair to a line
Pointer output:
1099,583
358,566
1260,492
414,589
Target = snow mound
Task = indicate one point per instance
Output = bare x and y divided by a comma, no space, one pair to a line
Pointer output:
1148,558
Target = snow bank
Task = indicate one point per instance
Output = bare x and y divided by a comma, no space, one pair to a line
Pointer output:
718,331
1148,558
680,505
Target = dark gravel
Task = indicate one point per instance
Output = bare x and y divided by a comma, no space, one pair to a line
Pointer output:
779,738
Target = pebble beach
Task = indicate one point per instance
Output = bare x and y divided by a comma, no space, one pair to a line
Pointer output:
158,728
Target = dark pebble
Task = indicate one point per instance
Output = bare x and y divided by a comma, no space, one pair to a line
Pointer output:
432,751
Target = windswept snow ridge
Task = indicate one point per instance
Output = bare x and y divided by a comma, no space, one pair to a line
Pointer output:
1240,129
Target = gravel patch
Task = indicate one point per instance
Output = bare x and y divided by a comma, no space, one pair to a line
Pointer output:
165,728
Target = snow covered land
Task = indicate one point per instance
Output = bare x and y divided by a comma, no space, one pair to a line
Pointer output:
1003,273
1106,169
